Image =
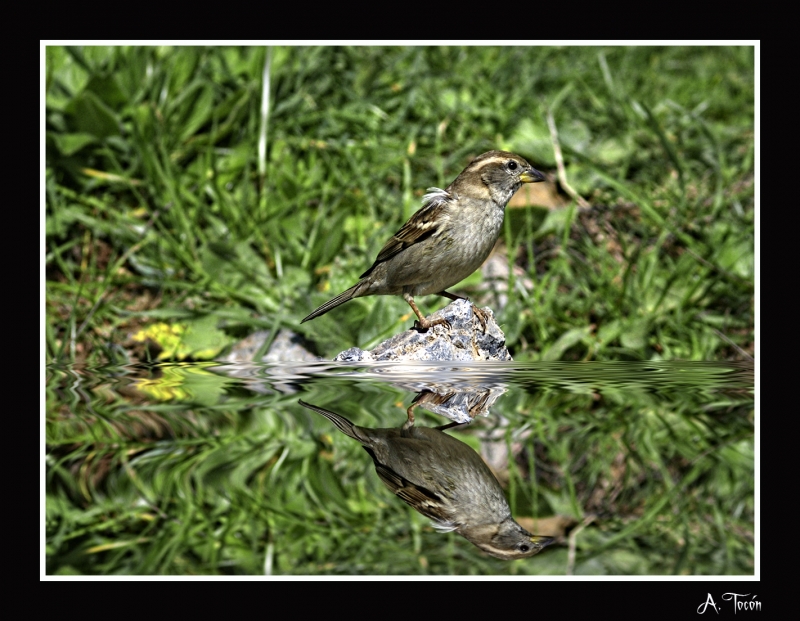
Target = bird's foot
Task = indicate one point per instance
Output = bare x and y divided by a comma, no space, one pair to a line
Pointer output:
450,425
422,324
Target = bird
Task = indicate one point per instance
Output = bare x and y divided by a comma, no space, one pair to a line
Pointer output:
445,480
447,239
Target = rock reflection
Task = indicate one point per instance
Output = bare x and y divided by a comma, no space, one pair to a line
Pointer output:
446,481
459,405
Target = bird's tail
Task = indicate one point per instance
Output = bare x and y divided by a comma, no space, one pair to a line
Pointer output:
344,425
344,296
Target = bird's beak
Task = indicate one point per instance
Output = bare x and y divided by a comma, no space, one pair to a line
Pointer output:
540,540
531,176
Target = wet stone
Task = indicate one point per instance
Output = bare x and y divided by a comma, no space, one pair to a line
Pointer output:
464,340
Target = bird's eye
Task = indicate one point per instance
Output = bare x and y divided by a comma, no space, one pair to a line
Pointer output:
523,548
512,165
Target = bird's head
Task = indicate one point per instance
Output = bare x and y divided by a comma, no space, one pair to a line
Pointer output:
496,175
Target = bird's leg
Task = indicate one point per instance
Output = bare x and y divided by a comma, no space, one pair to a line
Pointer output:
449,425
417,402
453,296
423,323
410,411
431,398
475,310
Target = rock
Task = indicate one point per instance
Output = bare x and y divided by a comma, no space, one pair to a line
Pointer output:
463,341
287,347
288,362
460,395
458,403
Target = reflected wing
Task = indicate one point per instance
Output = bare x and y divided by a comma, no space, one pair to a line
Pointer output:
425,501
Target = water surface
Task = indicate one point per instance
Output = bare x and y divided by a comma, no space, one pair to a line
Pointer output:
203,468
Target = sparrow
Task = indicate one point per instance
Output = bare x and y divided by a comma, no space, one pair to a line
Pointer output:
447,239
445,480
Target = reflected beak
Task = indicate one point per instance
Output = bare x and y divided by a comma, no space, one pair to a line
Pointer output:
531,176
540,540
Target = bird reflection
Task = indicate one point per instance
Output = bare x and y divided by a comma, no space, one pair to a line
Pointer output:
446,481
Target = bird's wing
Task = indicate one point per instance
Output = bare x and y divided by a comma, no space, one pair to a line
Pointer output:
419,227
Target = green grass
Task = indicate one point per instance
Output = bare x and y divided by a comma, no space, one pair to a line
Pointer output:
160,208
177,216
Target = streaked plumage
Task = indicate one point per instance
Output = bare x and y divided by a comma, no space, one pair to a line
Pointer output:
446,481
448,238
